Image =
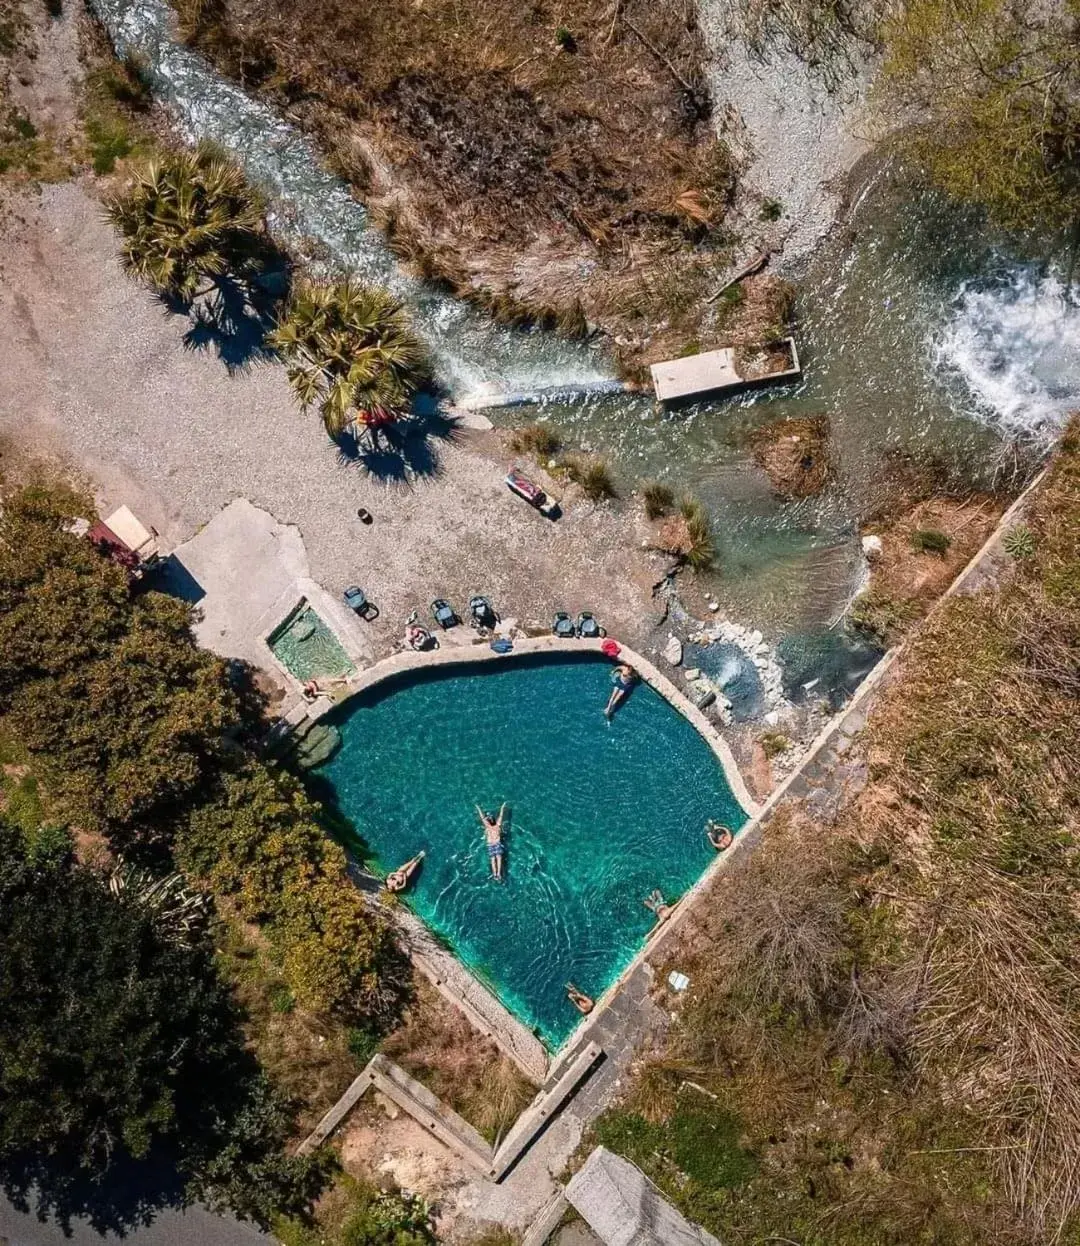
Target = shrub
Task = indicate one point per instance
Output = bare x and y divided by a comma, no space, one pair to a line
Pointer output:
931,541
1019,542
540,440
774,743
701,552
771,210
658,497
565,39
592,473
258,840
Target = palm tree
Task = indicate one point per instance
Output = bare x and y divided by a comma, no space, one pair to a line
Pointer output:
350,352
187,219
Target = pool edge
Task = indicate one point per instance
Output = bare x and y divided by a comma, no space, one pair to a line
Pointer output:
480,651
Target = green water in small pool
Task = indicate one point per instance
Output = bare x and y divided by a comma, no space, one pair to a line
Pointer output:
600,814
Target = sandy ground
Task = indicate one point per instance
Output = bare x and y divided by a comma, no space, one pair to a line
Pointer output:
93,367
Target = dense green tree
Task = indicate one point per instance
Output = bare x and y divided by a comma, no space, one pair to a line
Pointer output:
116,1037
260,842
106,689
187,220
992,91
351,353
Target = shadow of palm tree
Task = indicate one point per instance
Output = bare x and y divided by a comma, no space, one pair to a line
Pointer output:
234,316
403,451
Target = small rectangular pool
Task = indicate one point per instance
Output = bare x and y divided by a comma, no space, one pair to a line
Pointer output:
601,813
307,648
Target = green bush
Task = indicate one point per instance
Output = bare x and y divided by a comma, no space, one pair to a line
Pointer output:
1019,542
771,210
658,497
702,552
931,541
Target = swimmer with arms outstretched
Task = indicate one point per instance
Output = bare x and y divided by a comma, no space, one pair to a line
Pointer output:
495,846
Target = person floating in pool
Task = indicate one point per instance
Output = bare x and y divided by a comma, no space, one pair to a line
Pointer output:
582,1002
495,846
656,904
399,879
623,677
719,836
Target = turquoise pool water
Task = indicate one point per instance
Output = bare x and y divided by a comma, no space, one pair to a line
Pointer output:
600,814
307,648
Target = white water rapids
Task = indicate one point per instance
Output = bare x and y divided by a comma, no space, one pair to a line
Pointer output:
1016,346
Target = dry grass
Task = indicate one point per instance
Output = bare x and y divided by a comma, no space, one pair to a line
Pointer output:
438,1047
891,1008
479,135
910,574
794,454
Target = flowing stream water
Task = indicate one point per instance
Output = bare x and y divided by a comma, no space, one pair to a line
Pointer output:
920,331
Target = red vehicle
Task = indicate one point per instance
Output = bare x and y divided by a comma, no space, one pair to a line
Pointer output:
520,484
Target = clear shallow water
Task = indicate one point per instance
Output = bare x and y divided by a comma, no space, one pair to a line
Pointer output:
308,649
599,815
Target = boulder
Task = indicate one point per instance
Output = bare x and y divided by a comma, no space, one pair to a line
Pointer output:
691,673
871,546
673,651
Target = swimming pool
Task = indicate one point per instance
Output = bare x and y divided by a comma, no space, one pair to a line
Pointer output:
307,648
600,814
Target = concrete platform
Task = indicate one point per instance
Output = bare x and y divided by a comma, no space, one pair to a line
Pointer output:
710,372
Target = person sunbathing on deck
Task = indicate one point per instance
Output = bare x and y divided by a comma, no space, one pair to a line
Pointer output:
399,879
623,677
656,903
493,834
582,1002
719,836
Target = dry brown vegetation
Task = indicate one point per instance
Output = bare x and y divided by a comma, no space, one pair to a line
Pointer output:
555,163
794,454
906,579
438,1047
886,1010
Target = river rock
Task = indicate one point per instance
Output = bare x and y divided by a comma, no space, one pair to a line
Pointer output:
871,546
705,699
754,639
772,718
691,673
673,651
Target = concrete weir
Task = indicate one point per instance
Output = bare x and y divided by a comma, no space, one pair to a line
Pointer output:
713,372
